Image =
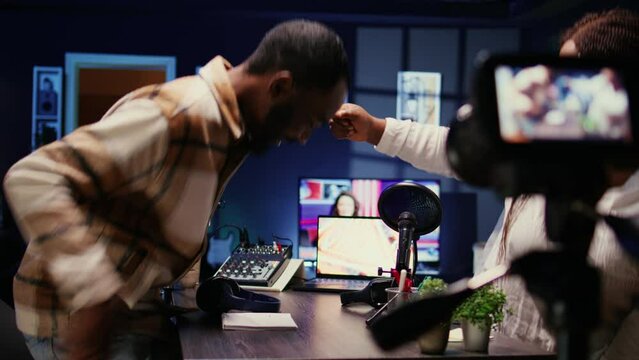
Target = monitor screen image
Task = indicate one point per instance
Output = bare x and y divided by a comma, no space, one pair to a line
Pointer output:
542,103
317,196
355,246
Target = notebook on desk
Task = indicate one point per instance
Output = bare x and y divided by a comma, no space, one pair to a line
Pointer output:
349,252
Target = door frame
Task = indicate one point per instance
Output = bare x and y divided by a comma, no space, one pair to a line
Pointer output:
73,62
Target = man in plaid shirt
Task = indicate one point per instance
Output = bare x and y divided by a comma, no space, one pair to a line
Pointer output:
119,208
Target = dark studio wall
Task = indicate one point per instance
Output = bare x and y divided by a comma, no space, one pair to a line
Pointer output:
263,194
41,37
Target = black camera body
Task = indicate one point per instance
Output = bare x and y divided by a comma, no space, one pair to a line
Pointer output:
566,128
540,122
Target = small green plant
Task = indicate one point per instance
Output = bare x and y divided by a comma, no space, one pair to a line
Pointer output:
484,307
432,286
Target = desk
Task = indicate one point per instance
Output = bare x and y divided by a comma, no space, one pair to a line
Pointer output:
326,330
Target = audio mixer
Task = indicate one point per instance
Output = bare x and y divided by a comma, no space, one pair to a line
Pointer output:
256,265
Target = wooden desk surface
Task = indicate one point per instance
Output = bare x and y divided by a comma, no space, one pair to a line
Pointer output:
326,330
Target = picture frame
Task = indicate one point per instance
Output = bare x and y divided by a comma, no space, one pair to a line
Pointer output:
46,121
418,96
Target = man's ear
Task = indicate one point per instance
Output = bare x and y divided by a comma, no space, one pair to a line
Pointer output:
281,85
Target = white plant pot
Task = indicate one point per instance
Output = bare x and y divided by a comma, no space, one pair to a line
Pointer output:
476,338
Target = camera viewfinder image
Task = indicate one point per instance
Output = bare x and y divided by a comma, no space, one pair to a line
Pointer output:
540,103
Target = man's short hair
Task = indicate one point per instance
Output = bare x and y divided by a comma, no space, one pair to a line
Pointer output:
313,53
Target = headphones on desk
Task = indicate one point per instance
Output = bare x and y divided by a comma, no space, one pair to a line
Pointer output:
220,294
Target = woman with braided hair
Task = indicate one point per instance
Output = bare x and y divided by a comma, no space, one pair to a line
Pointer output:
613,35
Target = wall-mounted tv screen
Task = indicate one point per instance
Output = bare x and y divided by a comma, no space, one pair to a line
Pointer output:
355,197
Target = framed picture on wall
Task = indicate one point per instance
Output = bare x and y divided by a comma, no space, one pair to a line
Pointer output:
418,96
49,85
46,118
46,131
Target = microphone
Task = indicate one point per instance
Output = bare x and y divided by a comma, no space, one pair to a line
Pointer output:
406,226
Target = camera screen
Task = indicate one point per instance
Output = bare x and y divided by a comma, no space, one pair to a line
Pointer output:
541,103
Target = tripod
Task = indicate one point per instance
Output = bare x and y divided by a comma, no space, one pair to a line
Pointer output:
567,284
563,279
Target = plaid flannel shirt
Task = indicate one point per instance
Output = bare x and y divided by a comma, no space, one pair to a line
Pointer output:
120,207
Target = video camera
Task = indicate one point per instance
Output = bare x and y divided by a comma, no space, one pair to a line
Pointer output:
553,126
539,122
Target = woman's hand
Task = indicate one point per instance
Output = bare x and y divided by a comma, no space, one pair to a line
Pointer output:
354,123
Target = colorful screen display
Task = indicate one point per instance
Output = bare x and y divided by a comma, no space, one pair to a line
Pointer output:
319,196
355,246
542,103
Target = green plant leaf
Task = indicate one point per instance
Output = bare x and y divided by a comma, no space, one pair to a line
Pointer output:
432,286
487,303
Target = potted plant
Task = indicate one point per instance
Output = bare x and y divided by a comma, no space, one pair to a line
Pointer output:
435,340
478,313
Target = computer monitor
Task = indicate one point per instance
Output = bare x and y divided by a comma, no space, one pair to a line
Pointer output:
317,197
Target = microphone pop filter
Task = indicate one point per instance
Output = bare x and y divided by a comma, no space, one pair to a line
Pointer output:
414,198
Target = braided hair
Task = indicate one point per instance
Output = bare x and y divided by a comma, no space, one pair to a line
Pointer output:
611,34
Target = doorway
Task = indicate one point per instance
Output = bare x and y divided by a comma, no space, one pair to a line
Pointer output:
94,82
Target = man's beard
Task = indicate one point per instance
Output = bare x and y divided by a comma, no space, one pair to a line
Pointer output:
261,136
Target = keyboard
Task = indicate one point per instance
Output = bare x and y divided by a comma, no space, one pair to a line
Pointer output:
333,285
345,282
